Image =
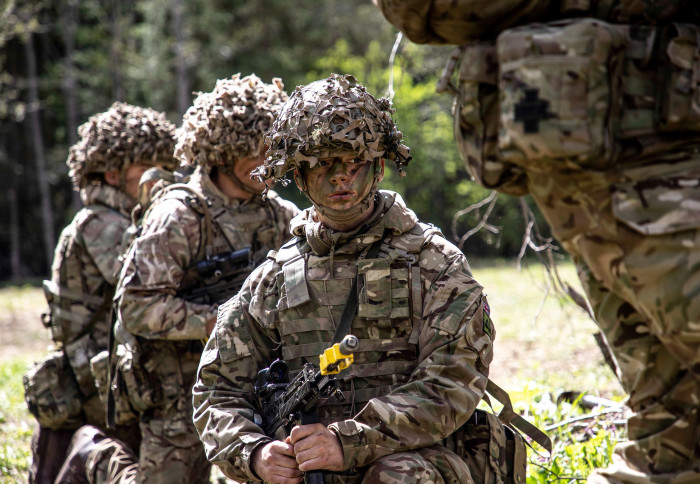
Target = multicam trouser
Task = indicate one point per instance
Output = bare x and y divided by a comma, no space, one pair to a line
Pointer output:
635,235
167,455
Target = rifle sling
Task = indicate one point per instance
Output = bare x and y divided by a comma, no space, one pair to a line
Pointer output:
343,328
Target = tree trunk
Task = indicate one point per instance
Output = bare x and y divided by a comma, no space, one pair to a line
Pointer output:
37,141
15,257
115,51
183,90
69,16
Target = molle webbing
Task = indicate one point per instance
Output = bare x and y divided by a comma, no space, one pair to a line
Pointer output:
311,350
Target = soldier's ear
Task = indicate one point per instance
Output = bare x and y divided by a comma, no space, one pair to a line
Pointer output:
112,177
299,180
380,170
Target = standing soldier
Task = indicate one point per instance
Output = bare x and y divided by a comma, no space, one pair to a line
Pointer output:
597,116
114,149
425,336
198,242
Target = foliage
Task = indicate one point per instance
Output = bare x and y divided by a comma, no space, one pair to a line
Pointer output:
16,425
579,447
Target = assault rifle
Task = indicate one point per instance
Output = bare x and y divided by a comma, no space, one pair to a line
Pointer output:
215,279
284,404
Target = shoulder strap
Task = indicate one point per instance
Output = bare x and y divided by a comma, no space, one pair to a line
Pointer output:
352,302
203,208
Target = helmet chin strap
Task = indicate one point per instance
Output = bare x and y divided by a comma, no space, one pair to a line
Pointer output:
346,215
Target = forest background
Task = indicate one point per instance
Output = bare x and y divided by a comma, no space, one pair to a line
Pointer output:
65,60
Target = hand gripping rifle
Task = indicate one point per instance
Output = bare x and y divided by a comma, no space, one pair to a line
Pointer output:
285,403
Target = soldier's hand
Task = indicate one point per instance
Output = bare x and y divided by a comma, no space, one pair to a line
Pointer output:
316,447
274,462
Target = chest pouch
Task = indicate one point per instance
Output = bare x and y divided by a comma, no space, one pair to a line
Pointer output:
384,291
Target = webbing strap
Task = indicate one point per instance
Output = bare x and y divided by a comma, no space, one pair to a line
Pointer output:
509,416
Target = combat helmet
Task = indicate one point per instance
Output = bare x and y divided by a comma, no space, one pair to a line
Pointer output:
121,136
327,116
228,123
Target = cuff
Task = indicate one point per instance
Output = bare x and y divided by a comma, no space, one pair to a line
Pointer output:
353,440
244,462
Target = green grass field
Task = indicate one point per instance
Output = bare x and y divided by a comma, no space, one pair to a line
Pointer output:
544,351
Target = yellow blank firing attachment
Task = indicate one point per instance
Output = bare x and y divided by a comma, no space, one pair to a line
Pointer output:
339,356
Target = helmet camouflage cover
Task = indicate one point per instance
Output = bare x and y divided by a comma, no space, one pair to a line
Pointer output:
330,116
229,122
121,136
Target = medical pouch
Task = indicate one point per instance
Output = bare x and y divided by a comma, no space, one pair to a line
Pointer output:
559,89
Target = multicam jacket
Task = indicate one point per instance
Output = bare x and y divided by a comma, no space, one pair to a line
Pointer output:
422,323
83,275
171,242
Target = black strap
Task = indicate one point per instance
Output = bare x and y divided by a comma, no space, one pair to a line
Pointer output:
350,308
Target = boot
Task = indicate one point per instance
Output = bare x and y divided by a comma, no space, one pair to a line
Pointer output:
84,441
48,453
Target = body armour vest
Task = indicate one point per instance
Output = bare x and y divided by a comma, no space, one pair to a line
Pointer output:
312,293
160,372
84,273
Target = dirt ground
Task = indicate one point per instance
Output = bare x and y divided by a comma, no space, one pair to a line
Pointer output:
23,333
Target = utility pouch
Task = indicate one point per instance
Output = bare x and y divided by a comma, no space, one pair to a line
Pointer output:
680,96
476,121
52,394
493,451
143,390
559,92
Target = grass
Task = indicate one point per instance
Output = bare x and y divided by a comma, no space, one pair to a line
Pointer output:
544,350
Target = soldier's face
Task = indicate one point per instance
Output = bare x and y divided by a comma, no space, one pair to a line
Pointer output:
340,182
244,166
132,178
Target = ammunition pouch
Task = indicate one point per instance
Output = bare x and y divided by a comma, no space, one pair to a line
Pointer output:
52,393
494,452
576,95
136,378
154,374
79,353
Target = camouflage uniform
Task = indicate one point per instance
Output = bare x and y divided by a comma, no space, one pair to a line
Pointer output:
597,120
160,330
425,337
83,276
430,346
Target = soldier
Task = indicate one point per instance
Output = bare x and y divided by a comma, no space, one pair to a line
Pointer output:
596,116
198,242
114,149
425,336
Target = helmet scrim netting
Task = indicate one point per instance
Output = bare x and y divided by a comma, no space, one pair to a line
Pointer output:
327,117
121,136
229,122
